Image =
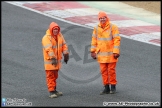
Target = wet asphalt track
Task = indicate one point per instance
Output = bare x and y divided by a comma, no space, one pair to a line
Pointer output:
23,76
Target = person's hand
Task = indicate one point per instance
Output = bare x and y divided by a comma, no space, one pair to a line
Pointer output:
116,55
54,61
93,55
66,58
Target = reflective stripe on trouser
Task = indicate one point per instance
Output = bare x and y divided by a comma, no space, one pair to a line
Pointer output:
51,77
108,72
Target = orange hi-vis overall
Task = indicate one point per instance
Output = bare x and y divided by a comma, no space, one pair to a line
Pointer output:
53,47
105,42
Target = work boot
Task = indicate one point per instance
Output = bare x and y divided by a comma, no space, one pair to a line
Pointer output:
58,93
53,94
113,89
106,90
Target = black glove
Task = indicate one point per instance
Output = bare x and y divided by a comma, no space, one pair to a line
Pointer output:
66,58
93,55
54,61
116,55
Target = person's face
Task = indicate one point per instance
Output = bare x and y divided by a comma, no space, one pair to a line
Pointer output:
55,31
103,19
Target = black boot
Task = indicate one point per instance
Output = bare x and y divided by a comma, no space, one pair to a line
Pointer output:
53,94
58,93
113,89
106,90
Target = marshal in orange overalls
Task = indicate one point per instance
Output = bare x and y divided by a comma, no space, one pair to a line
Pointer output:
105,45
54,46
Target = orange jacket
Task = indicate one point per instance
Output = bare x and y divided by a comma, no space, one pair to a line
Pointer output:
105,42
53,48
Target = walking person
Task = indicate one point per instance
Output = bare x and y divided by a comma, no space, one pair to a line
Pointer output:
54,46
105,47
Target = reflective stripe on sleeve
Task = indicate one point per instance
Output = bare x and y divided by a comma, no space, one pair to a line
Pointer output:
47,46
51,54
116,47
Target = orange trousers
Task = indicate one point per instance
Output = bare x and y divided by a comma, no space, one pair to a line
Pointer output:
108,72
51,77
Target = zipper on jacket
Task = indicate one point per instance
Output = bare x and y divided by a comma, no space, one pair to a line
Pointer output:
57,49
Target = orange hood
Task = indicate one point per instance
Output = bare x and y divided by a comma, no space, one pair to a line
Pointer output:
52,26
103,14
